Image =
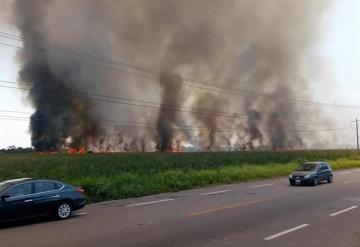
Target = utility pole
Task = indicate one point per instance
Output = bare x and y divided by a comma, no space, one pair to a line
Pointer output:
357,134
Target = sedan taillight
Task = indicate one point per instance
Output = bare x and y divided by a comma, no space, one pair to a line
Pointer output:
80,190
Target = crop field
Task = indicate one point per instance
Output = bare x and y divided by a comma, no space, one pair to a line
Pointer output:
125,175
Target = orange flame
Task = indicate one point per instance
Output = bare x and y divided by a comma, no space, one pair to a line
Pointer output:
80,150
175,149
46,153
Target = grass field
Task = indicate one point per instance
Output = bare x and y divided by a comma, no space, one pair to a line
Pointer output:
125,175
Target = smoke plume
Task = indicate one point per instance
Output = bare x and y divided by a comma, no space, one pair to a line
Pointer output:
172,95
209,74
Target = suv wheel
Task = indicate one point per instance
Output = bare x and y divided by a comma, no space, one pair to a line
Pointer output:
330,179
292,183
63,211
315,181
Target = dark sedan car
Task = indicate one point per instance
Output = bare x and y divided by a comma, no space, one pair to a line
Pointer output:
27,198
311,173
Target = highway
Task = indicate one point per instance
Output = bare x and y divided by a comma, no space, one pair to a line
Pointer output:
258,213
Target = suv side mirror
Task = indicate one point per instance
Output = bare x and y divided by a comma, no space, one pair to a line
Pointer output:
4,197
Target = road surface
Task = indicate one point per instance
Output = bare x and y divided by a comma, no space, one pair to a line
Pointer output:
258,213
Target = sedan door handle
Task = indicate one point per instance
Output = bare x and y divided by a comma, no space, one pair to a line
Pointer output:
29,200
57,196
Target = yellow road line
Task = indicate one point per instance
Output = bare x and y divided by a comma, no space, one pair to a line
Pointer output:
352,181
212,210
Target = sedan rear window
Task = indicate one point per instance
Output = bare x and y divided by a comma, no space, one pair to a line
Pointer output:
58,186
44,187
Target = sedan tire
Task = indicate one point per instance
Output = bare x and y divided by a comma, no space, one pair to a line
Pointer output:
315,181
63,211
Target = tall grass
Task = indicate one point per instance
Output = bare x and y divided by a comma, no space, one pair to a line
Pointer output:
124,175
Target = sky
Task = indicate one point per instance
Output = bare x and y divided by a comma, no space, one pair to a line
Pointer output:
335,80
11,132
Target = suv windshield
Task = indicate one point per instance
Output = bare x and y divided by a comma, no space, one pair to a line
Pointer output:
307,167
5,186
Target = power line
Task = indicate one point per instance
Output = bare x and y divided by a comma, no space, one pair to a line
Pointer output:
123,123
200,130
115,122
128,124
11,111
90,94
136,125
81,53
155,105
154,74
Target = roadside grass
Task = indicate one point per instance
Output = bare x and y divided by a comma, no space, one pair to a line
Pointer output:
123,175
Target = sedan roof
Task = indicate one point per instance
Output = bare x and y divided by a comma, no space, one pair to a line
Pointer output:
17,181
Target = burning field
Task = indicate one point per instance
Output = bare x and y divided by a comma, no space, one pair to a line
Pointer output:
160,75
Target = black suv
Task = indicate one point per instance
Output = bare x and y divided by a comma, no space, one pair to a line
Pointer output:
311,173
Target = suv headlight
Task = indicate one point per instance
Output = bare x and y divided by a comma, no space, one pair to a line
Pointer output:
290,176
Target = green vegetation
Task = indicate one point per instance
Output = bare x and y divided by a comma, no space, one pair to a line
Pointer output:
124,175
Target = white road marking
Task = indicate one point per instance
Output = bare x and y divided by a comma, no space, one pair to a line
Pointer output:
286,232
343,211
352,181
261,185
226,185
351,198
342,173
146,203
215,192
79,214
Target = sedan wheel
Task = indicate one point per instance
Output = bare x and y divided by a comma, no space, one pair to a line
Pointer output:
315,182
63,211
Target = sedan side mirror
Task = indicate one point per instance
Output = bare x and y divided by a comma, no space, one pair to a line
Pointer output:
4,197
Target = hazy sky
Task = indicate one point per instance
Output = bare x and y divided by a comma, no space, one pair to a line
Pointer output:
335,80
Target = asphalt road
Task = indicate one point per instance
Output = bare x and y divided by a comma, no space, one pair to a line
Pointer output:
259,213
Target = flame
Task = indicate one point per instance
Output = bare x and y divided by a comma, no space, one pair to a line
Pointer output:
80,150
175,149
47,153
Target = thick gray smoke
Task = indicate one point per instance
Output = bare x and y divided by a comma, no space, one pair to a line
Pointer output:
180,55
172,95
57,118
